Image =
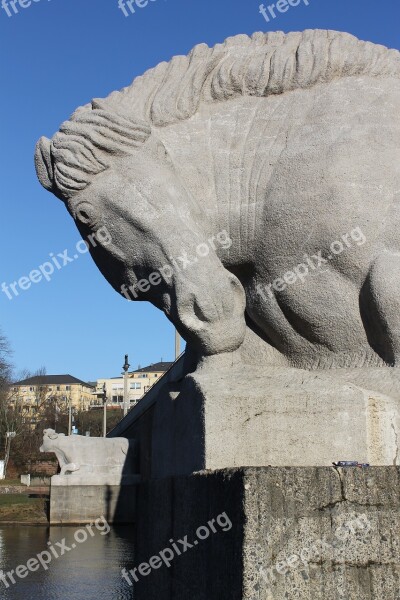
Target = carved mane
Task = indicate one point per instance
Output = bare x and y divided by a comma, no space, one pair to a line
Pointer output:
260,66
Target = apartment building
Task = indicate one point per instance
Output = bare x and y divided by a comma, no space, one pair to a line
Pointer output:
33,393
140,381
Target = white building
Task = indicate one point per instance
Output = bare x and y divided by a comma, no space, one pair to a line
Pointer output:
140,382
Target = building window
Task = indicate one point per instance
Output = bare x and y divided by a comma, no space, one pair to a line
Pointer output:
136,386
144,375
58,388
68,388
31,389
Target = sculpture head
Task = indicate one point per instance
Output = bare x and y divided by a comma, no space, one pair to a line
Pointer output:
111,173
109,165
49,440
51,434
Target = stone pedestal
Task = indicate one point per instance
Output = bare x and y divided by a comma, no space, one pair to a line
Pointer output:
84,502
276,416
270,534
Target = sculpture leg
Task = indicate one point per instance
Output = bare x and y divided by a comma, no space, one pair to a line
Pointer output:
70,467
380,306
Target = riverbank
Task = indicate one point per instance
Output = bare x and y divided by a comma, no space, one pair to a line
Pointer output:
23,509
22,505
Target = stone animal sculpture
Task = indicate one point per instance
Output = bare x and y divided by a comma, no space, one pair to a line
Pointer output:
288,146
86,454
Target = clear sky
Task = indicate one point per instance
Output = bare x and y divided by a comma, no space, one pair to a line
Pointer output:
55,56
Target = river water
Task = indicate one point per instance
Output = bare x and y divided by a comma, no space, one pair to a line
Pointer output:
89,570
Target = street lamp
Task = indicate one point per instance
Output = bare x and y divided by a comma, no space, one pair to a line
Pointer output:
125,368
104,396
69,415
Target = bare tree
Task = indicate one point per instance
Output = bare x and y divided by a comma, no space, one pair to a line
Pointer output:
92,421
7,431
21,422
11,419
5,363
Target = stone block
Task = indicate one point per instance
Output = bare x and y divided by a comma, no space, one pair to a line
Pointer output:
275,416
295,534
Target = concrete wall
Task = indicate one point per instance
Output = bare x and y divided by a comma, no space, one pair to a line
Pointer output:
297,533
85,503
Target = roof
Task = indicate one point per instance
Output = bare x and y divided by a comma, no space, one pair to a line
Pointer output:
159,366
52,380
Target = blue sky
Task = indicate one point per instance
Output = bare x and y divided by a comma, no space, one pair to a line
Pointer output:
55,56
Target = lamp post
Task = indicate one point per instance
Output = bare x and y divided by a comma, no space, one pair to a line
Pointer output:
105,410
69,415
125,368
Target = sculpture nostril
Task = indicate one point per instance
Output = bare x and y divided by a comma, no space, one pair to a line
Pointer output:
202,314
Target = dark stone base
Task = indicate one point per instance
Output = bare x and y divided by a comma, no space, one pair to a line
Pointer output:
296,533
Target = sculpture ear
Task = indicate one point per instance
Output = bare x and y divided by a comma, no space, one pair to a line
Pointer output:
43,163
53,436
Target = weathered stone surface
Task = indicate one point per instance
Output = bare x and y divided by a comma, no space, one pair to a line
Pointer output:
221,418
287,417
220,173
343,525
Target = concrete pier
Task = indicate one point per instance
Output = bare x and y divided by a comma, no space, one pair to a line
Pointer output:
73,504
